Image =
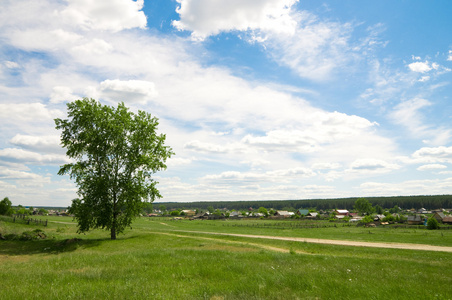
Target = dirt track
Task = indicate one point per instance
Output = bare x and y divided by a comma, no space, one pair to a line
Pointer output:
337,242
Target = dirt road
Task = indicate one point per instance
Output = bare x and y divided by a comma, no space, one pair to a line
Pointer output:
337,242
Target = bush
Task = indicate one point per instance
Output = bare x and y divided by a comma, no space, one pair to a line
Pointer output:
432,223
367,219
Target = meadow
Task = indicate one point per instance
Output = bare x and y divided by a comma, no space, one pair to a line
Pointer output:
160,258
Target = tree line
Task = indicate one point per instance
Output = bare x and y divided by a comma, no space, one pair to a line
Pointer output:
404,202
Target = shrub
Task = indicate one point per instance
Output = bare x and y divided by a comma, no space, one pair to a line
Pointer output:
432,223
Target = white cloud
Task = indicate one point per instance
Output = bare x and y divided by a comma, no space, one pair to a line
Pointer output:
326,166
27,112
434,154
431,167
210,17
178,161
211,148
407,113
410,187
11,64
62,94
20,175
449,58
93,47
135,91
15,155
49,143
420,67
113,15
410,114
424,78
284,175
372,165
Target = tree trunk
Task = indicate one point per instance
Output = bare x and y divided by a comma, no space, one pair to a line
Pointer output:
113,233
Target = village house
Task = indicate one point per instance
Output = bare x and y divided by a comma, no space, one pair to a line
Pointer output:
302,212
439,216
415,220
447,220
342,212
188,213
283,214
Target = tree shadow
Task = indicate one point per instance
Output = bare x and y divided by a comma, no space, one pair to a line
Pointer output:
46,246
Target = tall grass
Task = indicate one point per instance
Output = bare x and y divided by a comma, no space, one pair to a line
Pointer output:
153,262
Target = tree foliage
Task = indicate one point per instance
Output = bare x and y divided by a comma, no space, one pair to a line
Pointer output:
6,207
116,152
432,223
364,207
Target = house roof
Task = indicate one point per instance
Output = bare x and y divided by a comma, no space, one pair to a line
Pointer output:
303,211
447,219
441,215
414,218
342,211
284,213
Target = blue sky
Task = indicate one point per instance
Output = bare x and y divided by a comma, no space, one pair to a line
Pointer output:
260,99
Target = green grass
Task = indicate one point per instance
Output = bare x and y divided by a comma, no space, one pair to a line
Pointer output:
153,261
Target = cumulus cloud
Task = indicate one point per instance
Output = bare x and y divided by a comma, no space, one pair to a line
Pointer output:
410,187
420,67
210,17
284,175
49,143
434,154
113,15
15,155
27,112
204,147
430,167
327,128
62,94
135,91
178,161
313,48
20,175
372,165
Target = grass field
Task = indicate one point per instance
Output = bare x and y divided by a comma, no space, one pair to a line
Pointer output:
157,260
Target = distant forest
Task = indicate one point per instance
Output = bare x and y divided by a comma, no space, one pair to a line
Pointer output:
404,202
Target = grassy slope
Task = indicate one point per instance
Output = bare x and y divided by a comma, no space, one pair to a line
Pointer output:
153,262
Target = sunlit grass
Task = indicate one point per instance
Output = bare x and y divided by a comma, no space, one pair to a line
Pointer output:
154,262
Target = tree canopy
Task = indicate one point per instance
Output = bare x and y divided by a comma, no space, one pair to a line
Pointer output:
6,207
364,207
115,154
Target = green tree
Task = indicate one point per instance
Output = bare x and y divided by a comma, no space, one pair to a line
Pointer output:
364,207
263,210
432,223
210,209
6,207
394,210
116,152
379,210
147,208
162,208
43,211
